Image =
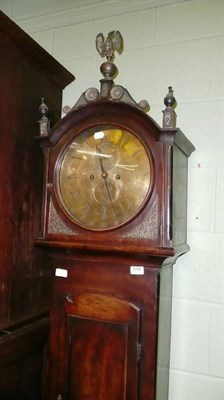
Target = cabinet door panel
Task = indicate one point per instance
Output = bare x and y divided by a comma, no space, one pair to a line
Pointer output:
99,348
97,360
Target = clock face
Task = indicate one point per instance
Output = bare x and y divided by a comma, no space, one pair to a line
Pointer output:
103,178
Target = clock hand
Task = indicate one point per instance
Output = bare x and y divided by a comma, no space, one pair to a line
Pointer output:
104,173
104,176
94,153
129,167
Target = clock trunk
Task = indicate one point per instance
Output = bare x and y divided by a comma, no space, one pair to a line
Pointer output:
104,331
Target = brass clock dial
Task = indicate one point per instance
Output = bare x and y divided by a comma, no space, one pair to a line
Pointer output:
103,178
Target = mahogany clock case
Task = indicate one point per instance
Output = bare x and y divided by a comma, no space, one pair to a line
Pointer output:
110,325
110,328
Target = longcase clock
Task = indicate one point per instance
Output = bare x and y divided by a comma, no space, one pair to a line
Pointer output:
113,224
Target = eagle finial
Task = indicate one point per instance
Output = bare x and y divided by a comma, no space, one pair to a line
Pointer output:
113,42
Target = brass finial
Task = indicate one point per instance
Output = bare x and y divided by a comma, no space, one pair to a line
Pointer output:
170,100
44,121
106,48
169,115
108,90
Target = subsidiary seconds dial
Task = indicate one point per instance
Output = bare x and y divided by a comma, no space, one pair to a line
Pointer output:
103,178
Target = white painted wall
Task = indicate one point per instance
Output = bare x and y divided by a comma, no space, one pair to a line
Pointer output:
179,44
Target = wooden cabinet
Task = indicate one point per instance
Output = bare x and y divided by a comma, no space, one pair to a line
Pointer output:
27,72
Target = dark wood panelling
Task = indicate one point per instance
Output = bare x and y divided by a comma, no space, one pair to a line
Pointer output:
27,73
23,361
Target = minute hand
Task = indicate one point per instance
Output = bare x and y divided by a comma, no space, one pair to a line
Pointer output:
104,176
